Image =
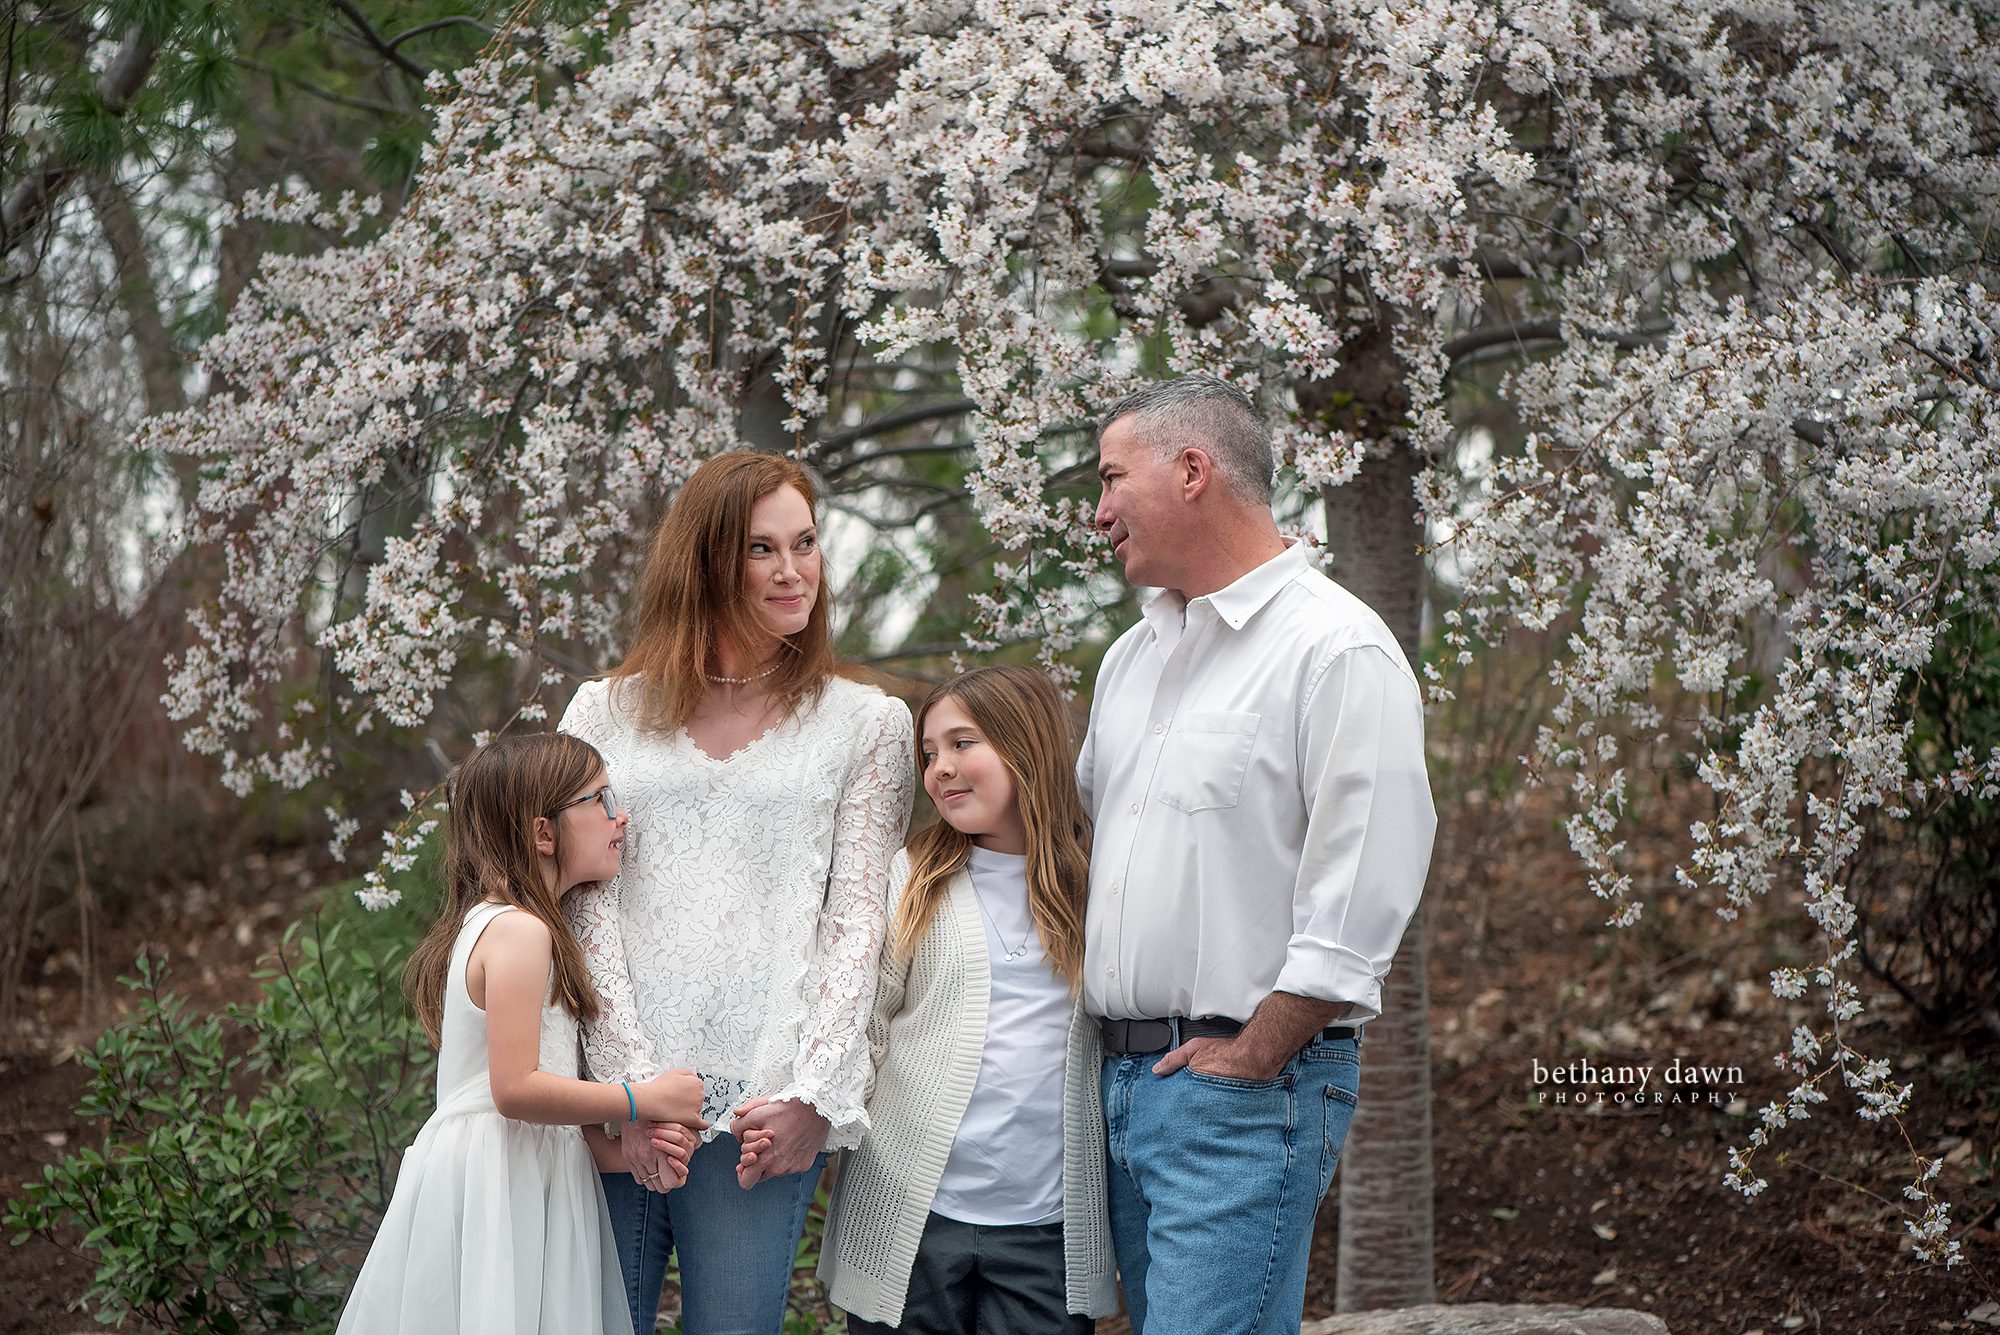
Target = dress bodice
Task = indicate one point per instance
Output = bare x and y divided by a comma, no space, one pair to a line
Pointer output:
463,1077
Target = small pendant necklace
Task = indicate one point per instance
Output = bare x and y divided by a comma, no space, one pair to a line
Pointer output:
1015,952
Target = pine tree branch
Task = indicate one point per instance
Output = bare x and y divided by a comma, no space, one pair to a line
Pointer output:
41,186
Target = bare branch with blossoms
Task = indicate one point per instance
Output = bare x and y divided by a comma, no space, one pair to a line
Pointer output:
1737,249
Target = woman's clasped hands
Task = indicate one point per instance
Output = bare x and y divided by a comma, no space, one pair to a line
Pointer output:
779,1137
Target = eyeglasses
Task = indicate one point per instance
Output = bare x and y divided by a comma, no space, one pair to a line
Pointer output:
604,797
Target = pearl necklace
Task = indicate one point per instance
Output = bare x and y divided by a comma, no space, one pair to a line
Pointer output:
743,681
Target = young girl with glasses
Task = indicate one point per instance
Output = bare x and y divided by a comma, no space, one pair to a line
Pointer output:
977,1200
497,1223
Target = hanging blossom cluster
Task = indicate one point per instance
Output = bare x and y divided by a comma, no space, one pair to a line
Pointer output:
1742,242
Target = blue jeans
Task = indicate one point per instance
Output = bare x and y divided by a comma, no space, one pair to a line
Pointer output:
1214,1183
736,1247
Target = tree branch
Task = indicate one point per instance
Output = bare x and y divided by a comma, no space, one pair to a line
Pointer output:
30,200
1201,305
453,20
1495,264
898,452
909,484
1098,144
1524,332
840,440
374,39
1950,367
324,94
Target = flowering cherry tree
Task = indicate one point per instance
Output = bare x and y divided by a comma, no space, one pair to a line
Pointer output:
1729,266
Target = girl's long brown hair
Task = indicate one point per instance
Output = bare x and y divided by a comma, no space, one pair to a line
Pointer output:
1024,720
692,597
490,854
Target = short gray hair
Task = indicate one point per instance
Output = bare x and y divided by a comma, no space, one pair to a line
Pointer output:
1210,413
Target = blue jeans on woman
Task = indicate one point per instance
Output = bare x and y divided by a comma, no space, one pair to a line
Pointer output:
1214,1183
736,1247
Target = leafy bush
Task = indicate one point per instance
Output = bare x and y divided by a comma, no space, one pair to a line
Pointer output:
247,1155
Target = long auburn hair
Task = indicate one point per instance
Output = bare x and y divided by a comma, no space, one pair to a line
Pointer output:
692,596
1024,720
489,853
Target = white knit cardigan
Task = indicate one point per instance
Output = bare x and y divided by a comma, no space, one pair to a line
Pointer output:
927,1035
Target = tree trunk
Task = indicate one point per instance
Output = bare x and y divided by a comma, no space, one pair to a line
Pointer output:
1374,533
1385,1171
160,362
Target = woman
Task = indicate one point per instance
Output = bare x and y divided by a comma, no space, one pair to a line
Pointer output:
767,796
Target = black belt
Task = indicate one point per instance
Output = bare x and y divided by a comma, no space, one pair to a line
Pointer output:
1126,1036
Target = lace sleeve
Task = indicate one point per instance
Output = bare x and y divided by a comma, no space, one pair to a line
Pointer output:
832,1068
614,1048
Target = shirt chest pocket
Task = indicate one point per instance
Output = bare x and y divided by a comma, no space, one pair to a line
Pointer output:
1205,758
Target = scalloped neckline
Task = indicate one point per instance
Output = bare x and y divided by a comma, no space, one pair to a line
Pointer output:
740,751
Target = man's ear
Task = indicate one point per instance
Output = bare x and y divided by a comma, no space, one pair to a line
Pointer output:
545,836
1197,472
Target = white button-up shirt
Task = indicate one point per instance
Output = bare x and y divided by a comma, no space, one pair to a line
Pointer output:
1255,771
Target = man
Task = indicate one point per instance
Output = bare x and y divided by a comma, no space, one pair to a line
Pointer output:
1255,770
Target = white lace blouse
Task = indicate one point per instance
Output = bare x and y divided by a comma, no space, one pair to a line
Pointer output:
742,936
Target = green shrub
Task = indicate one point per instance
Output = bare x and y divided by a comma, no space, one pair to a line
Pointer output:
247,1155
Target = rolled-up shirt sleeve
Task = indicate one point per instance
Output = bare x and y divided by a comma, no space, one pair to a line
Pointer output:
1369,826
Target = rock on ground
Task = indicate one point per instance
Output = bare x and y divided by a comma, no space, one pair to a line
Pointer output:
1491,1319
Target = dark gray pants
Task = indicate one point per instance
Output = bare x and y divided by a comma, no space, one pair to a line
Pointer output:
984,1279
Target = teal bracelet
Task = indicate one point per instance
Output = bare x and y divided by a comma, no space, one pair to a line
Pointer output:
630,1102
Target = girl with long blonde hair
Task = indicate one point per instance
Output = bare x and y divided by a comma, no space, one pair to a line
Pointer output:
977,1201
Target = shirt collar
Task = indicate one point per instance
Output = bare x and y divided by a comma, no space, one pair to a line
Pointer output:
1235,603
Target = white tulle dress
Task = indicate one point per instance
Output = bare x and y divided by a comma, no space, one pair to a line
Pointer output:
496,1227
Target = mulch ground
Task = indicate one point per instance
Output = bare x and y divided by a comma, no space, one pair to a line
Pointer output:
1602,1205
